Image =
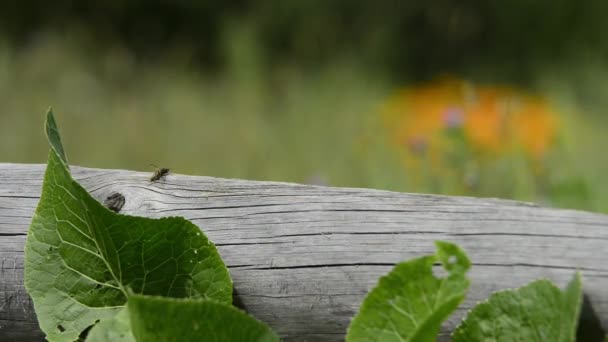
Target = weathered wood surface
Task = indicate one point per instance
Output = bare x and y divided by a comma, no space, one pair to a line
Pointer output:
303,257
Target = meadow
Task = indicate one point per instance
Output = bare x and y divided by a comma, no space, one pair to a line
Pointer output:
339,125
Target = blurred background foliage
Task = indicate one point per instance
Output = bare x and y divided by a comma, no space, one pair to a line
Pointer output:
477,98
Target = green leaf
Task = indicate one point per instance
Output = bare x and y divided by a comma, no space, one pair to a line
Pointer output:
52,134
538,311
80,257
169,319
410,303
117,329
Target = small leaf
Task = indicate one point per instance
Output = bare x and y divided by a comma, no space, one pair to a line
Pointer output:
80,257
169,319
410,303
538,311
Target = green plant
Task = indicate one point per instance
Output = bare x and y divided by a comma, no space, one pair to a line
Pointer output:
100,276
410,304
88,266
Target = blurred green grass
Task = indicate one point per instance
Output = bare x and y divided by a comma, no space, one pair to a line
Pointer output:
115,113
286,123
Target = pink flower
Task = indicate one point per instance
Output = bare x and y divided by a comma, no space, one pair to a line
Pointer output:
453,117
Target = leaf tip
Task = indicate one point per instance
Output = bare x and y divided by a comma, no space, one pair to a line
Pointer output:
452,256
52,134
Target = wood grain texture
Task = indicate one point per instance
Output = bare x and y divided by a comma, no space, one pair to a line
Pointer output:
303,257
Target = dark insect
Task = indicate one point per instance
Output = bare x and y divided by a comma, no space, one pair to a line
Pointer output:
159,174
115,202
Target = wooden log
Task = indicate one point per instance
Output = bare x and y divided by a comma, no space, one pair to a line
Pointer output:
303,257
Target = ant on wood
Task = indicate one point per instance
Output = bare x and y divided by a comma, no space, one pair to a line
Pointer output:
160,173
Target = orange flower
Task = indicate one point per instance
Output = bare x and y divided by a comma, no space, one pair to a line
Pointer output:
486,117
494,119
535,126
417,114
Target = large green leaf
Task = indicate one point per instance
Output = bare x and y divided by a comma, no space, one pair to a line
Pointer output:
170,319
82,260
538,311
410,303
